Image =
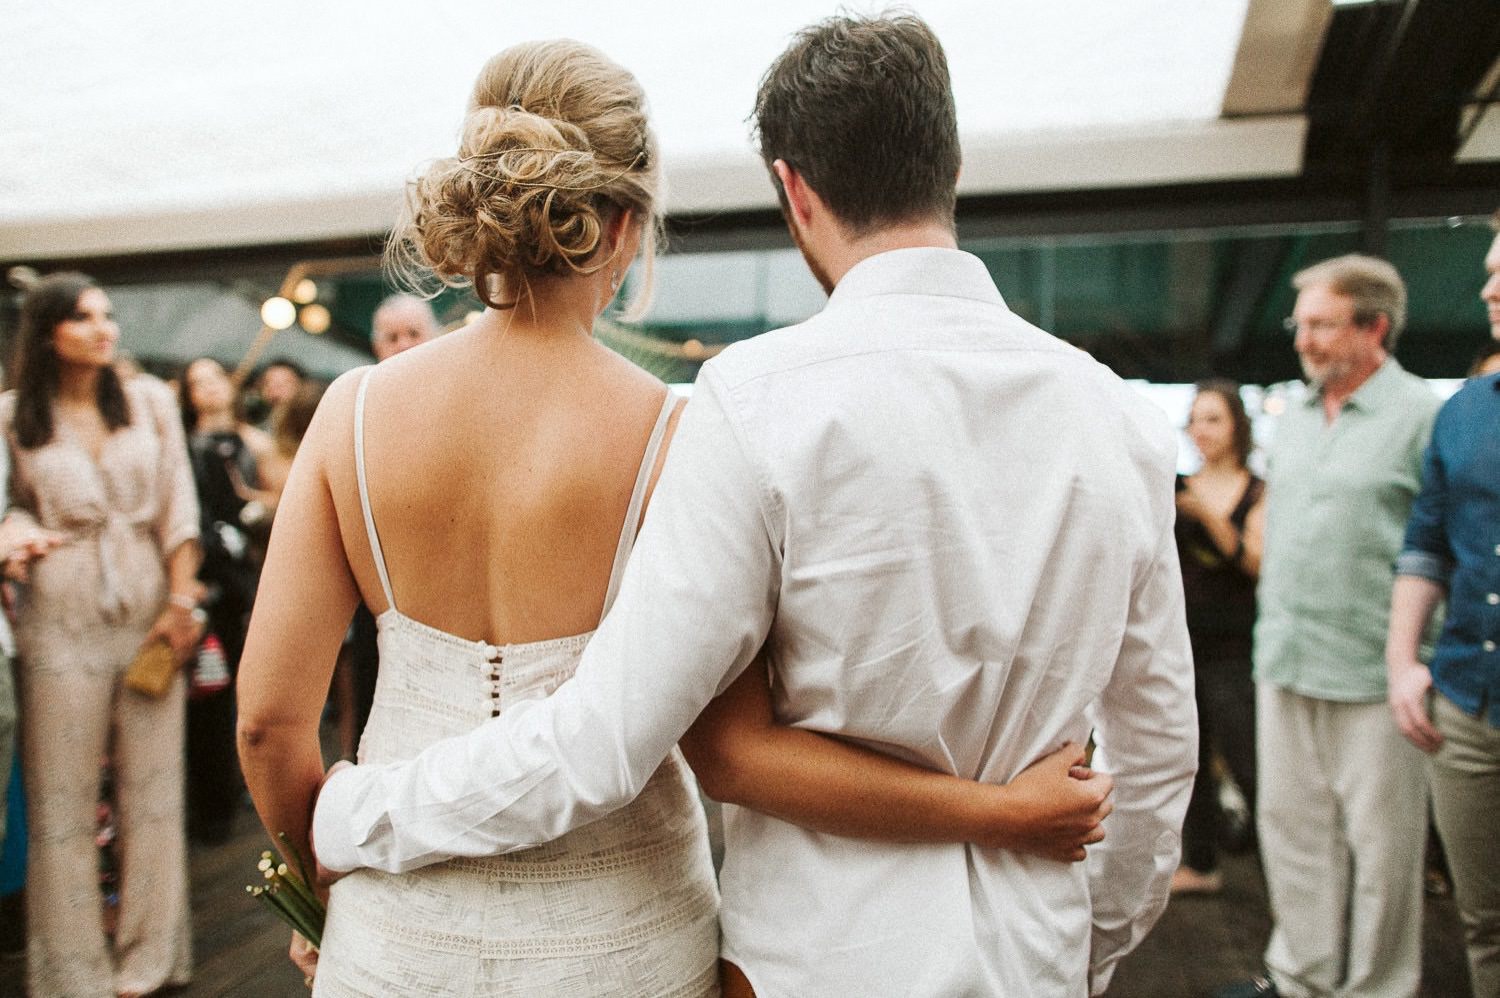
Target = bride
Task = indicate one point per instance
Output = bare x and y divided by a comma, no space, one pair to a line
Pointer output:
481,494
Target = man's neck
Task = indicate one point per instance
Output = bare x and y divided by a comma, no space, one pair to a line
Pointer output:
842,256
1335,394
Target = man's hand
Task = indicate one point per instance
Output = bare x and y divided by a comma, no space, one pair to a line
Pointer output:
1407,693
1052,809
324,876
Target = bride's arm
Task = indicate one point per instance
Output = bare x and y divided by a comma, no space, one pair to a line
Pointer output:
742,756
306,598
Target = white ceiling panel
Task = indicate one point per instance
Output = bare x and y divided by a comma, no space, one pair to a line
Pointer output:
158,125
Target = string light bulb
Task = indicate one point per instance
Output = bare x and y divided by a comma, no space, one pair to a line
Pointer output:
278,313
314,318
305,292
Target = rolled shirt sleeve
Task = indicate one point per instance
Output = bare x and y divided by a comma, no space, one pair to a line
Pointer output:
694,607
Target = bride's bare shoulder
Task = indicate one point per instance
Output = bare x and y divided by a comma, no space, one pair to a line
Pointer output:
331,429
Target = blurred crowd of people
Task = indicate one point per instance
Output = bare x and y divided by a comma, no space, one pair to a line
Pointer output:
1308,598
139,510
137,514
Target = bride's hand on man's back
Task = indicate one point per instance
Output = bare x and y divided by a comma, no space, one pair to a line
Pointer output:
1053,808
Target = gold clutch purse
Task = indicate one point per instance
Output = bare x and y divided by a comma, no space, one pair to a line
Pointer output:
152,670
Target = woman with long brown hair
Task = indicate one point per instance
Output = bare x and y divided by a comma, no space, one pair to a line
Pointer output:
1220,524
102,462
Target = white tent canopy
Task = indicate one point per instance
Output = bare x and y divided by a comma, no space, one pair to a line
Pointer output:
156,125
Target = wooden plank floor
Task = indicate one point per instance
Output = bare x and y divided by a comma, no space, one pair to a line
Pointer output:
1200,943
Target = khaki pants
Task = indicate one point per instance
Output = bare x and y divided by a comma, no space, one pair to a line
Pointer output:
1343,822
1466,803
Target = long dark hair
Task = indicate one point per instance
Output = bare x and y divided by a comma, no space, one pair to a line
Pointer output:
1229,391
47,303
185,395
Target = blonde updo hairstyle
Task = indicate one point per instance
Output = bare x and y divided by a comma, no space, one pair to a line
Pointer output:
555,144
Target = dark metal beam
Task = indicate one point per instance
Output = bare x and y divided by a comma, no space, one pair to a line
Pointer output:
1255,269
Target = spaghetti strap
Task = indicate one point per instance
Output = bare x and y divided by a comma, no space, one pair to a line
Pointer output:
638,499
364,489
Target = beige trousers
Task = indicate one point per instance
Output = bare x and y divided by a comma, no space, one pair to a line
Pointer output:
1343,822
1466,803
67,712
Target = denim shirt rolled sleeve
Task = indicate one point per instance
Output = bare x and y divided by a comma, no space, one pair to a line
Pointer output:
1425,552
1453,538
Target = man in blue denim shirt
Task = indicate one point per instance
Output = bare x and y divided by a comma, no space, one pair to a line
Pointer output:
1452,549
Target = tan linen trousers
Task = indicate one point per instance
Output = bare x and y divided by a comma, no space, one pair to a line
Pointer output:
1343,821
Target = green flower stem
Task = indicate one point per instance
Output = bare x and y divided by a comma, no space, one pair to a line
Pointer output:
293,918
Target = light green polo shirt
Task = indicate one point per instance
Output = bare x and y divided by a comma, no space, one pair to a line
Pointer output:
1338,495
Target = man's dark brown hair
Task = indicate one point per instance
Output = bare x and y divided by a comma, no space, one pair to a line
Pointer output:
863,109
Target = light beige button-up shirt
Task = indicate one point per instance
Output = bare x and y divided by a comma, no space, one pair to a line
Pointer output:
954,534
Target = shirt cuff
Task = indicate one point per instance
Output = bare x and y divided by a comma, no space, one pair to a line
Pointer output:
333,841
1424,565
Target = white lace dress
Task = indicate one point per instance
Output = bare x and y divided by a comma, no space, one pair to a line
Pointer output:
623,906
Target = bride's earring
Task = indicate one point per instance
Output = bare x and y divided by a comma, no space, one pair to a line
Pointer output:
614,281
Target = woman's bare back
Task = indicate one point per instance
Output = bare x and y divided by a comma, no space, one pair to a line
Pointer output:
499,468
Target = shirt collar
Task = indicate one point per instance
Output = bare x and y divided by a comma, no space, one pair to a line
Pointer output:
921,270
1377,390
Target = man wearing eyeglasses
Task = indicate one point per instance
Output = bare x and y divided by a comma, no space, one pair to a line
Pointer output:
1343,798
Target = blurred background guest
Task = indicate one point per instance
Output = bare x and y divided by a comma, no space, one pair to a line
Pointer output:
21,541
226,455
103,462
1220,522
278,382
1341,802
288,426
400,323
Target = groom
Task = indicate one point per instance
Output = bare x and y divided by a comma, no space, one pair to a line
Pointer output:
951,532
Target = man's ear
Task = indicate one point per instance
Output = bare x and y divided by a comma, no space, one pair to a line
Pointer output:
799,196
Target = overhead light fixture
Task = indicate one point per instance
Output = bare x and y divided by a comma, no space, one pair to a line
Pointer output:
305,291
278,313
314,318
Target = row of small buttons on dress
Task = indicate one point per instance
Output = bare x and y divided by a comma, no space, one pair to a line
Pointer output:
490,682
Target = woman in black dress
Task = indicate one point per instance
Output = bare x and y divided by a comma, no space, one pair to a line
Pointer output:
225,454
1220,523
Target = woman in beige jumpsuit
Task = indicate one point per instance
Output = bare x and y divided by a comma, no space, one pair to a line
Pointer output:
102,462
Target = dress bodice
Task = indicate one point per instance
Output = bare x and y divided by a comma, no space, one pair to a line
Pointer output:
626,905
